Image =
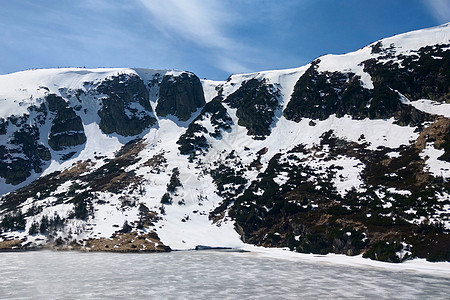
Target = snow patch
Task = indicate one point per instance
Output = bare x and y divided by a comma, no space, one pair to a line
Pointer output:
420,266
433,164
432,107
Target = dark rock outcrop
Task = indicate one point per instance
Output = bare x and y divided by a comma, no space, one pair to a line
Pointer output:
256,102
67,129
194,139
422,75
180,96
22,152
2,126
317,95
126,109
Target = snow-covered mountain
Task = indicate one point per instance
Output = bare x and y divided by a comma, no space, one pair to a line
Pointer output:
348,154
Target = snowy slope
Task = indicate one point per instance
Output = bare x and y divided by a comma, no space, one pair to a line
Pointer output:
27,87
402,44
195,199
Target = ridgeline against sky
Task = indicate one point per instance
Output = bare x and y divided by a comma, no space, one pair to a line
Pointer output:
210,38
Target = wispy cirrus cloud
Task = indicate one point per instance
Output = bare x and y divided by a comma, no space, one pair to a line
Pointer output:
440,9
203,23
212,38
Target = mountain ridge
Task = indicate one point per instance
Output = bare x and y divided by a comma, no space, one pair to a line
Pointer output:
348,154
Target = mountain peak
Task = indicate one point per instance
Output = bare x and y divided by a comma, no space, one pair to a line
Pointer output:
348,154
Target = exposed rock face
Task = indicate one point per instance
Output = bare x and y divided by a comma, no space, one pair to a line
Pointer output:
180,96
317,95
421,75
3,124
126,109
256,102
21,151
67,128
194,140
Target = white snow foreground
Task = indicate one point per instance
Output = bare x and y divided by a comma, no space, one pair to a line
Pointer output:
421,266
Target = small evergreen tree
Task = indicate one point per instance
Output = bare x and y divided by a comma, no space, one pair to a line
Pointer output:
166,199
14,221
43,228
56,223
143,216
126,228
81,211
174,181
34,228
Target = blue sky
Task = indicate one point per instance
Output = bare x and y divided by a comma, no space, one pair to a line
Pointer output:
212,38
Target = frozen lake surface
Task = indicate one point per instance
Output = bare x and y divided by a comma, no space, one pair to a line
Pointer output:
202,275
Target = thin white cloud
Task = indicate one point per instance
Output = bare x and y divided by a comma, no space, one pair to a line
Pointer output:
440,9
231,65
202,22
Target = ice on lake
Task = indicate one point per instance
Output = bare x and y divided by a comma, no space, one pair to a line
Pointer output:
201,275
